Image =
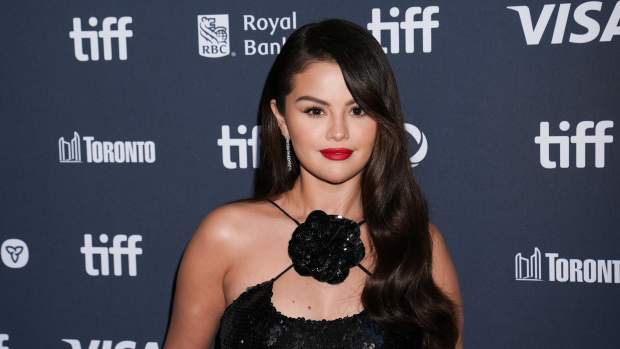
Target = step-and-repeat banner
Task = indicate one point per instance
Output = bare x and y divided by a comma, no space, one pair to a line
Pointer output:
123,124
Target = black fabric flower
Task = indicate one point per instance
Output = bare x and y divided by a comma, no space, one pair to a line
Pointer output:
326,247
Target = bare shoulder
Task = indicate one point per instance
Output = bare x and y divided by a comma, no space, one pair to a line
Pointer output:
233,241
215,243
445,275
224,229
200,294
221,224
444,270
436,236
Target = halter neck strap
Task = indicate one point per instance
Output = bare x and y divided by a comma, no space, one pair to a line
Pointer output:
291,217
296,221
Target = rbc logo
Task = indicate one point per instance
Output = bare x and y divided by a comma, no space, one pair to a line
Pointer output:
14,253
213,36
580,139
106,34
117,251
376,26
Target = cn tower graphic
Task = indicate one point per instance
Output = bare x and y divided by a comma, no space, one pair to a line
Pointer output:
528,269
69,151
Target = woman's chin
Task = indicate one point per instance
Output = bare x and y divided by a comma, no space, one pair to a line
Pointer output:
335,175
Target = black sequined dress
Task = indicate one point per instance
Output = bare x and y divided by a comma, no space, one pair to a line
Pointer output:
252,321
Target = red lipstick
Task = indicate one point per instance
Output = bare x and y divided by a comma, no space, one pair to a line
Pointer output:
336,153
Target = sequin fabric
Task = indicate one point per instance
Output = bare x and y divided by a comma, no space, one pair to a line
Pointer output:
252,321
326,247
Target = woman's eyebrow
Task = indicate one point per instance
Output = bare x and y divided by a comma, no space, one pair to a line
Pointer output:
317,100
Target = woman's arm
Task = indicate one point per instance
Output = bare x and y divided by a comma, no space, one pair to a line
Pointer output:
199,297
445,276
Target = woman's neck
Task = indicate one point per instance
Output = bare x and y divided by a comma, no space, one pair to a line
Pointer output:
310,193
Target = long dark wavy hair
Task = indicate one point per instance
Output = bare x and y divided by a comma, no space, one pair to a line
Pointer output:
401,293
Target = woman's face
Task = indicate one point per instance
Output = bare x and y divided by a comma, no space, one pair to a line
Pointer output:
321,114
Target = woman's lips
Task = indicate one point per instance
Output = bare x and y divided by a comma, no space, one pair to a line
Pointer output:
336,153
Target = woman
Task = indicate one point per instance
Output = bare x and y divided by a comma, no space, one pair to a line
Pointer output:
335,249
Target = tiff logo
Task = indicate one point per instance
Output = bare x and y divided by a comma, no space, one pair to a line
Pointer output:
528,269
117,251
106,34
580,139
227,143
533,32
409,24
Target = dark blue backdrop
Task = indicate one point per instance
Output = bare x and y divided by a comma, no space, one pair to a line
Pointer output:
120,130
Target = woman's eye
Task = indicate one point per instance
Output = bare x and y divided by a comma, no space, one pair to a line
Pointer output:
359,111
316,111
311,111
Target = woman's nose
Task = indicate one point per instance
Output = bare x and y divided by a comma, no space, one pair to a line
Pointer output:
338,129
